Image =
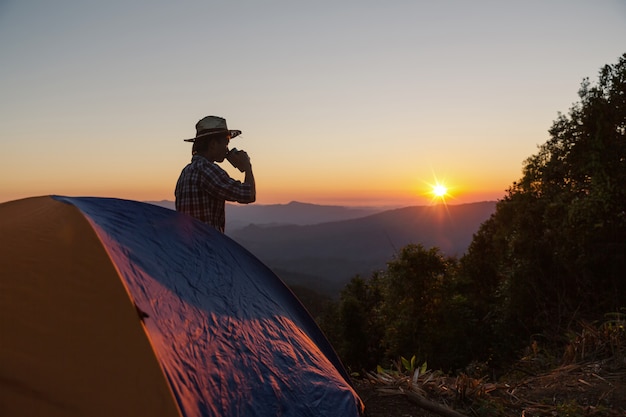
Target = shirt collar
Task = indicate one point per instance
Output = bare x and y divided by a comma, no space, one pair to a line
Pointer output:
198,157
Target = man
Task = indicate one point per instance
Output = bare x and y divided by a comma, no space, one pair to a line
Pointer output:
204,187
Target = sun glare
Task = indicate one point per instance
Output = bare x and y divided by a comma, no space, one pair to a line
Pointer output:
440,190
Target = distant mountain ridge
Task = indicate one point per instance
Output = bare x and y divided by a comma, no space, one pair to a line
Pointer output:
241,215
331,253
305,248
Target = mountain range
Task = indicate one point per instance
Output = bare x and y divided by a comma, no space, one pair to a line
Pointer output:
296,213
323,247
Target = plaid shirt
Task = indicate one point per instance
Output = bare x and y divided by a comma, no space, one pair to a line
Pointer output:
203,189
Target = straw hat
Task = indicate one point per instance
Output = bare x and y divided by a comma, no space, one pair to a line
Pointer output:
212,125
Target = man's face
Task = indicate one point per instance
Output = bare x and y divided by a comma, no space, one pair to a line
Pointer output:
220,148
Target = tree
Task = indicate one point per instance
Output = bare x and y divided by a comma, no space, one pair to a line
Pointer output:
555,249
422,308
411,308
357,331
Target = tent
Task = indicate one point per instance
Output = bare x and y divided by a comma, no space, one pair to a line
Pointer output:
113,307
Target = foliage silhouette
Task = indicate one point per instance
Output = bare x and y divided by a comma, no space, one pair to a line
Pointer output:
554,251
552,255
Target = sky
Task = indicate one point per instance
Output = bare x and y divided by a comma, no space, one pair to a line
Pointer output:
354,102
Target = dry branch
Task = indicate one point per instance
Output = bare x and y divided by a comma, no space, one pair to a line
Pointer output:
432,406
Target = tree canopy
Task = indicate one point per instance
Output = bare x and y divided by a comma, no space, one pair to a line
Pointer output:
553,253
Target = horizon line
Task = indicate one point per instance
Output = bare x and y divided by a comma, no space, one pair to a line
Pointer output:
390,205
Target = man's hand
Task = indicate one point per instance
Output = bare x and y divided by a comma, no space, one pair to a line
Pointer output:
239,159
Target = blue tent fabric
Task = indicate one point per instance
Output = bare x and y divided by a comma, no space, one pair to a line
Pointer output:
231,338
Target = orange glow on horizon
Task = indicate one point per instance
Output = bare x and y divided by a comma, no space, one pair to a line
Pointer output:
393,193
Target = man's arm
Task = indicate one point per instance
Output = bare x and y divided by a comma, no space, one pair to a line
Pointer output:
241,161
249,179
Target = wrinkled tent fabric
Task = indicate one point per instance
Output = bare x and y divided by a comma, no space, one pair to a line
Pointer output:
116,307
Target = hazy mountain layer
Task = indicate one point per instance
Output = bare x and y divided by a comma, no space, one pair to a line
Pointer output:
241,215
325,256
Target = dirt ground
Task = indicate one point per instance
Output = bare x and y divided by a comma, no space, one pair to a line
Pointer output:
379,404
591,389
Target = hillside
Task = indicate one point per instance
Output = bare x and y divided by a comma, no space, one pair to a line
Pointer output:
322,247
326,256
293,213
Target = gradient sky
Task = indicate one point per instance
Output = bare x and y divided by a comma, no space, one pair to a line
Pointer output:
340,102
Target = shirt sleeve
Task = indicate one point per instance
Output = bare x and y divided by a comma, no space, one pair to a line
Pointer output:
219,184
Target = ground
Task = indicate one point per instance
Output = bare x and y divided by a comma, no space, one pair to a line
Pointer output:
384,405
586,389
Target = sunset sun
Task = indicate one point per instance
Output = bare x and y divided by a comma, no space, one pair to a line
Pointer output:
440,190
